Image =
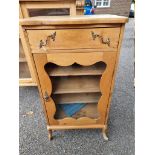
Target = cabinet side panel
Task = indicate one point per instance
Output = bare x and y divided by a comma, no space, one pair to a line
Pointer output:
115,71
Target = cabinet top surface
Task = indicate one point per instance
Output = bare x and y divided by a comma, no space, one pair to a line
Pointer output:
69,20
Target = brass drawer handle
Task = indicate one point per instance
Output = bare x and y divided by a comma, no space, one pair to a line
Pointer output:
44,43
103,41
46,96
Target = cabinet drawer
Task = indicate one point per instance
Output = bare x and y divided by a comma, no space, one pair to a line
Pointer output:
93,38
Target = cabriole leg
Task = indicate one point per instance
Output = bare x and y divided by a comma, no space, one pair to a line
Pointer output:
104,133
50,135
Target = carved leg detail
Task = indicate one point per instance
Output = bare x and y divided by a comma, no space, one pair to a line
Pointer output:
104,132
50,135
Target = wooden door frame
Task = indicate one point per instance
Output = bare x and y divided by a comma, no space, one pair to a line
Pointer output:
80,58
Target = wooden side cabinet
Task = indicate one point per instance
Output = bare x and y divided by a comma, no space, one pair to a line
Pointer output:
75,60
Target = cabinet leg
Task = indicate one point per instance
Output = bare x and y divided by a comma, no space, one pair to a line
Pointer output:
104,133
50,135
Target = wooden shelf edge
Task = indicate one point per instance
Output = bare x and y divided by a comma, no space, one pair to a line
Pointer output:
26,82
76,97
22,60
62,127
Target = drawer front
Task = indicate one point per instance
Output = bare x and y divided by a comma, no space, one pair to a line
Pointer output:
93,38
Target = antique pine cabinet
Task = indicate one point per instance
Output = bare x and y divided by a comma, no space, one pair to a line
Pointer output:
75,61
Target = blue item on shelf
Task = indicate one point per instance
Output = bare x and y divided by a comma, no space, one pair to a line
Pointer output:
71,109
88,8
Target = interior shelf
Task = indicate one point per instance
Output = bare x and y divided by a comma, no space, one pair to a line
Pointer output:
76,98
90,110
24,70
77,84
22,59
21,51
75,69
23,66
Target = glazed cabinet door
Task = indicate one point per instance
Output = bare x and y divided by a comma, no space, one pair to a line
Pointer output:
75,86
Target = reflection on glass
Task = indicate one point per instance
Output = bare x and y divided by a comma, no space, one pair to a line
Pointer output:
49,12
